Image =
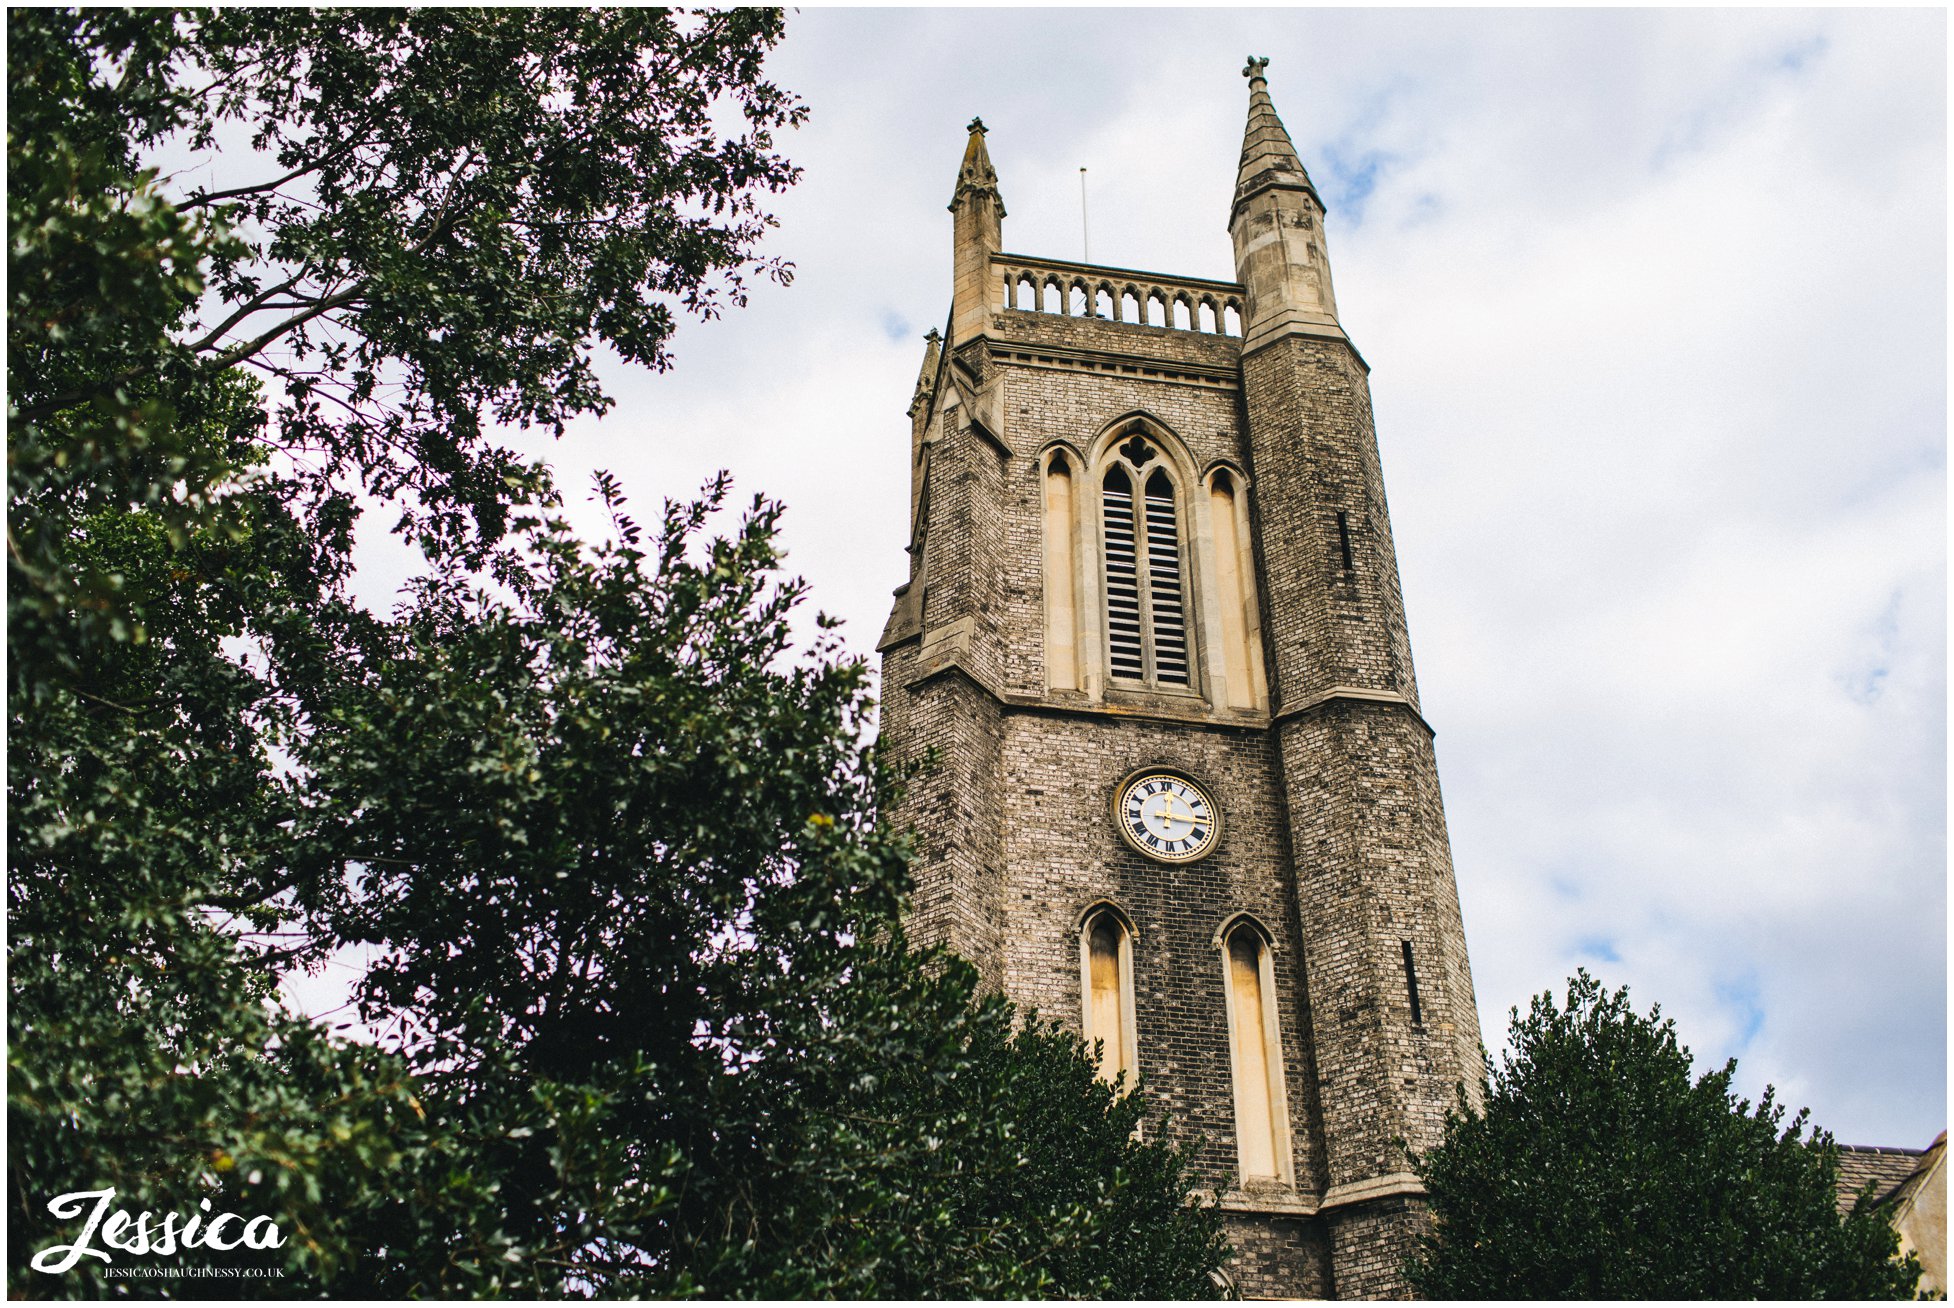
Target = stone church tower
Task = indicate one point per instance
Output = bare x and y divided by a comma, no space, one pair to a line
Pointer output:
1185,798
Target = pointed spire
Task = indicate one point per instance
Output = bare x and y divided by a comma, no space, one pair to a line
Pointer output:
978,235
926,378
977,177
1268,158
1277,227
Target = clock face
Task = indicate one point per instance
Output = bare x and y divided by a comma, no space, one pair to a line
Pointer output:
1167,817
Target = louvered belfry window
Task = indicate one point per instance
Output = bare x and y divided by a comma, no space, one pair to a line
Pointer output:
1122,578
1146,615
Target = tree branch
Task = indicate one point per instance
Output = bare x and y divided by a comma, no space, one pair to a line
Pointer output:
349,296
249,307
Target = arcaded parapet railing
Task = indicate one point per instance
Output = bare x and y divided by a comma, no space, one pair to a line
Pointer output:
1081,290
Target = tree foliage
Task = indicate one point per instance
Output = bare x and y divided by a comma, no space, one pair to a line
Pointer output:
608,843
1597,1168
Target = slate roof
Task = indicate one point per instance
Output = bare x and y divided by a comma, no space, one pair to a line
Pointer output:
1887,1168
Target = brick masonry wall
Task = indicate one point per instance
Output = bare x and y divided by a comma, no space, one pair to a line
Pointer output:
1280,1258
1314,454
1373,871
1064,854
958,862
1372,861
1369,1245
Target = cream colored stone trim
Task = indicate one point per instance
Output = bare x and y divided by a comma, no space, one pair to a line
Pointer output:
1122,1040
947,644
1268,334
1278,1202
953,660
1353,692
1034,354
1377,1187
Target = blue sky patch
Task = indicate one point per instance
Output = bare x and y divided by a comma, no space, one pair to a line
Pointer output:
1742,999
1794,59
1350,178
1599,948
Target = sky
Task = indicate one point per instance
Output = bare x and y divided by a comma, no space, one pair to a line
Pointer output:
1655,307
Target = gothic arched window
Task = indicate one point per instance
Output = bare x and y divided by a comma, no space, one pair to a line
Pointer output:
1106,967
1255,1051
1061,578
1146,611
1233,592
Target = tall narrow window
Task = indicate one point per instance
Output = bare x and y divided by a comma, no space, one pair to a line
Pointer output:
1106,950
1241,638
1261,1130
1061,579
1146,609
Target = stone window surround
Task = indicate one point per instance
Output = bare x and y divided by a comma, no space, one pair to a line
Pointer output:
1127,1034
1275,1092
1078,659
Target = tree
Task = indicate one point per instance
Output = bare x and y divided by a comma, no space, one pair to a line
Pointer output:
1598,1169
651,1026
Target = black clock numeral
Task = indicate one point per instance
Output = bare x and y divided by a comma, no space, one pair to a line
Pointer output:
1198,835
1140,830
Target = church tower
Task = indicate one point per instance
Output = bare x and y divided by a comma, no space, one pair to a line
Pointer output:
1184,795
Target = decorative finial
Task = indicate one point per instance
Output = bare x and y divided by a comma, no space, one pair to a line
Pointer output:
932,335
1254,71
977,124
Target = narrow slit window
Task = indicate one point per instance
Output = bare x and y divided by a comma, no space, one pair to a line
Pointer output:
1411,985
1343,539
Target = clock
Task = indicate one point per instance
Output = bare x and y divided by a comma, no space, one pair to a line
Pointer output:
1166,816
